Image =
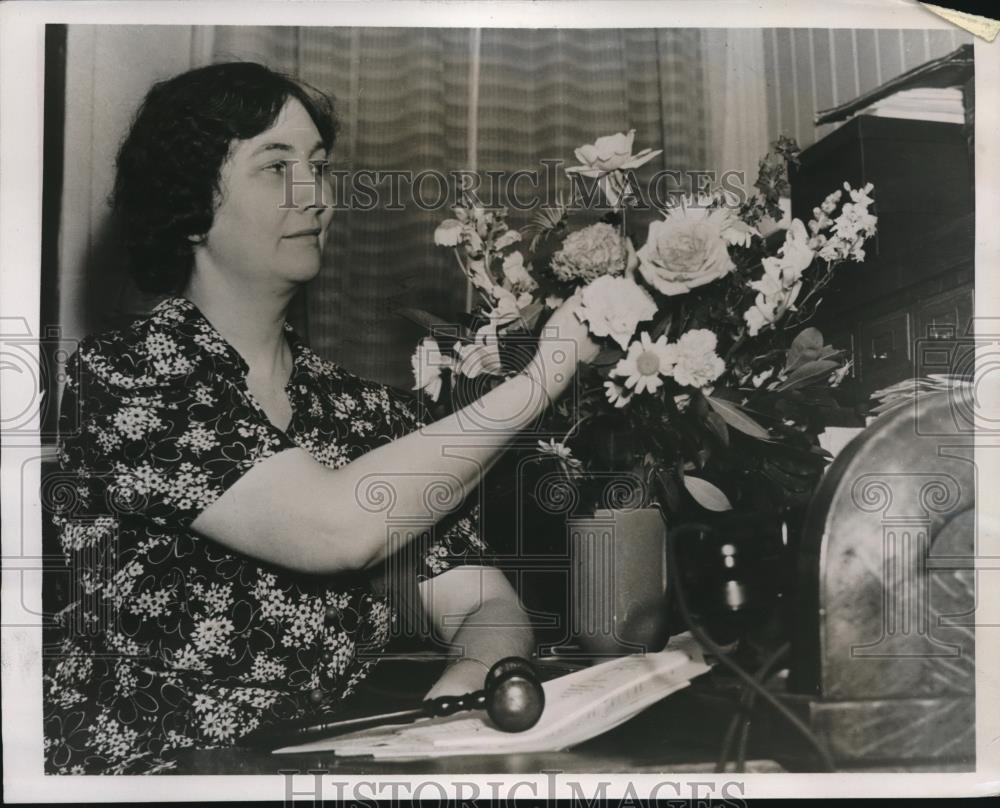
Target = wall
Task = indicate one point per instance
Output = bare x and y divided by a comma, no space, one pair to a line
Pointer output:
813,69
108,71
109,68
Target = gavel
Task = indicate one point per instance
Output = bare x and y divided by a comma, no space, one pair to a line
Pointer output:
512,696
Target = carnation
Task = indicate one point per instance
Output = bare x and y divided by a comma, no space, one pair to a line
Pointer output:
698,365
589,253
613,306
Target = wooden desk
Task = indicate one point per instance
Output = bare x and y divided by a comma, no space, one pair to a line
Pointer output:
683,733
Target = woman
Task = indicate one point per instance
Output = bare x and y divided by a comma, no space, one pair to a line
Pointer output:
233,486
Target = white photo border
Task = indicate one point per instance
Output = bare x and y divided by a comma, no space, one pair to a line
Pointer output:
22,36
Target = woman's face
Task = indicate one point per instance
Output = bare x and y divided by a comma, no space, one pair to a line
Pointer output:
257,238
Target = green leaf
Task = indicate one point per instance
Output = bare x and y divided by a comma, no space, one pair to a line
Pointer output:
609,357
706,494
662,326
807,345
424,318
792,478
531,313
806,373
808,338
670,491
738,419
717,424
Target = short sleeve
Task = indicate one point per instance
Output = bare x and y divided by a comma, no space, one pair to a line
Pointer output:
457,541
163,447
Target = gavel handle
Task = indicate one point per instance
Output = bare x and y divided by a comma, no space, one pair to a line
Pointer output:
433,708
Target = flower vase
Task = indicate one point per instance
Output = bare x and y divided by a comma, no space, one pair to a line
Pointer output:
619,595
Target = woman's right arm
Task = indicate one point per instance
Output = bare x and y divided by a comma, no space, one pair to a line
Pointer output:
293,511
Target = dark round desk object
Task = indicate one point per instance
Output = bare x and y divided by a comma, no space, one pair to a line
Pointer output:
514,695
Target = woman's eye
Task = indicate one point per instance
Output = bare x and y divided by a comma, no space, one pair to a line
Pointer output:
278,168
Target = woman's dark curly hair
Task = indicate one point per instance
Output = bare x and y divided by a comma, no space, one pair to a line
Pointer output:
167,173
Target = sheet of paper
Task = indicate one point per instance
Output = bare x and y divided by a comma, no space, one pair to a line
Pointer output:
578,706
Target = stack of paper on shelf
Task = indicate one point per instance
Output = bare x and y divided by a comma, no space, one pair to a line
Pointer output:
926,92
942,104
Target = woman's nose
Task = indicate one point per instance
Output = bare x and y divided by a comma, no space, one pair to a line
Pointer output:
310,189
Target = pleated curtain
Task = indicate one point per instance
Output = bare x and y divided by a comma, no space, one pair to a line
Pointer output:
453,99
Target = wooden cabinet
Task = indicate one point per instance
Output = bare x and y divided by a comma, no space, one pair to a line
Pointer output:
945,317
885,349
902,311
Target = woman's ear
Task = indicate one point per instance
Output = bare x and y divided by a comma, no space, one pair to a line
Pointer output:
196,239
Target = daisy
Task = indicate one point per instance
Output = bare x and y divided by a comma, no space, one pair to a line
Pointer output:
571,466
646,363
616,394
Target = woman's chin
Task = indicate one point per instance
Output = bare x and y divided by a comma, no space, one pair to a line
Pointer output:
302,273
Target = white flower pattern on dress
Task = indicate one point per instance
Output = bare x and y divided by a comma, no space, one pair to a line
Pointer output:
178,642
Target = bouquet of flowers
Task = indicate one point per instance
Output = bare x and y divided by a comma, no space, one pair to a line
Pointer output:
711,386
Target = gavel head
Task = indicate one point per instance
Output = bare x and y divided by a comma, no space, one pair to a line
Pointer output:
514,695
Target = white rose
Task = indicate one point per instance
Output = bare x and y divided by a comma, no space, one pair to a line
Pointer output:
686,249
610,153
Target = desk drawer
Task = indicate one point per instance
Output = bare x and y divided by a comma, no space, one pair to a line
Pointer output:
885,352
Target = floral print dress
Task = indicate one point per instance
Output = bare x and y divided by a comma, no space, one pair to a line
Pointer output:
171,640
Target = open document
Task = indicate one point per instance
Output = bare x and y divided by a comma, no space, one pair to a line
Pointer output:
578,706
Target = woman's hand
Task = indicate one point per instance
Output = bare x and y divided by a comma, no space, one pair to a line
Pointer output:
460,677
494,624
564,330
565,342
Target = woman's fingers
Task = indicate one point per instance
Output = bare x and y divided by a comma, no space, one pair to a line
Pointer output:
567,327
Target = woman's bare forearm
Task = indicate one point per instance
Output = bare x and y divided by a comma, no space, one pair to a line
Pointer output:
293,511
439,464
